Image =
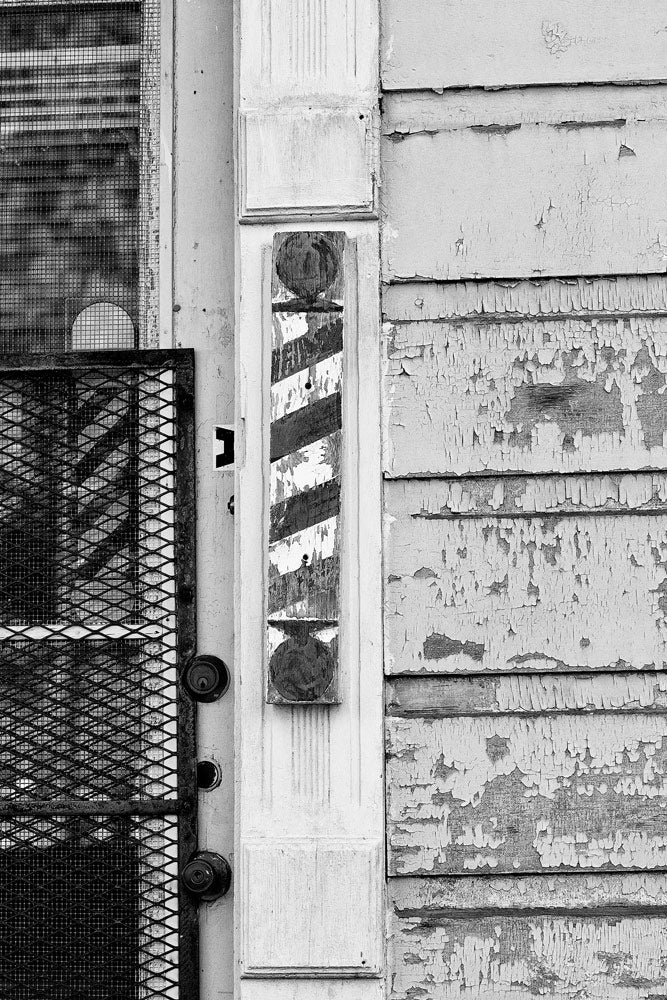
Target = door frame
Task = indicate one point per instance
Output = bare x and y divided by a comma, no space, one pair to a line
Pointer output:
309,824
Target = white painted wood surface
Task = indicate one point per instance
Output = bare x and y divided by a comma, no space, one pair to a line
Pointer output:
501,43
574,938
202,303
564,592
520,184
312,773
307,162
307,104
323,901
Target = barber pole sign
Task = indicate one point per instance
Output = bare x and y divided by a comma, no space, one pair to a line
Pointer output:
303,616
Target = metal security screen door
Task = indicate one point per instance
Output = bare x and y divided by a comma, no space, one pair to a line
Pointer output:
97,792
96,744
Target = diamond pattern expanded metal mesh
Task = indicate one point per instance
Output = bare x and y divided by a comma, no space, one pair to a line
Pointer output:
96,736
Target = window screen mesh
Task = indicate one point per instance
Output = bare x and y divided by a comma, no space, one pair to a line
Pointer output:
77,85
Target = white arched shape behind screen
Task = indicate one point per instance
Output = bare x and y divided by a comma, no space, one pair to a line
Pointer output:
103,326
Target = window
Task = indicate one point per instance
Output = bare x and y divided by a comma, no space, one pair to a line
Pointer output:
76,127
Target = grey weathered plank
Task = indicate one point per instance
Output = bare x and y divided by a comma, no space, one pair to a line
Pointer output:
524,184
585,592
547,395
536,298
575,938
525,694
496,43
511,794
527,496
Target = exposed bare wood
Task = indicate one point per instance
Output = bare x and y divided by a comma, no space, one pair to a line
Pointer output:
442,697
471,595
493,110
515,42
511,794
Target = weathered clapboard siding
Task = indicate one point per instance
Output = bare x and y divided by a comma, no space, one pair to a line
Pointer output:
526,695
533,298
545,376
488,43
512,794
575,938
521,184
526,496
563,592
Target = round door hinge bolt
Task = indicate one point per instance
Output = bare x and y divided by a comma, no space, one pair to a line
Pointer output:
207,876
206,678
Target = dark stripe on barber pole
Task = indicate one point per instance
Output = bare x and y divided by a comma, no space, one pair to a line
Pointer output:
318,345
305,425
316,583
304,510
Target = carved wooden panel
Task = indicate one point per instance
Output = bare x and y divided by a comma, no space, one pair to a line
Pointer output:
310,162
322,898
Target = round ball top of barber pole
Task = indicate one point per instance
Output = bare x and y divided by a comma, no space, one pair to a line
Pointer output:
307,264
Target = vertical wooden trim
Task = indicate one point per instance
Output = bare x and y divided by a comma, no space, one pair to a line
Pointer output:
313,773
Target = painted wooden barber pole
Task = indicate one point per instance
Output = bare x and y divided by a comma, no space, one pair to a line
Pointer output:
305,476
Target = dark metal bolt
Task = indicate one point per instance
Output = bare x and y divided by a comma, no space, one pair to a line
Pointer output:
207,876
206,678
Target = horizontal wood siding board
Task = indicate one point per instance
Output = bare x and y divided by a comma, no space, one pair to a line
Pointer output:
500,794
485,595
595,893
519,42
512,496
499,112
525,695
520,195
539,396
534,298
478,957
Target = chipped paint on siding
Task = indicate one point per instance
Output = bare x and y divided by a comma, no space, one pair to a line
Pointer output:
526,694
585,592
503,794
570,395
575,937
